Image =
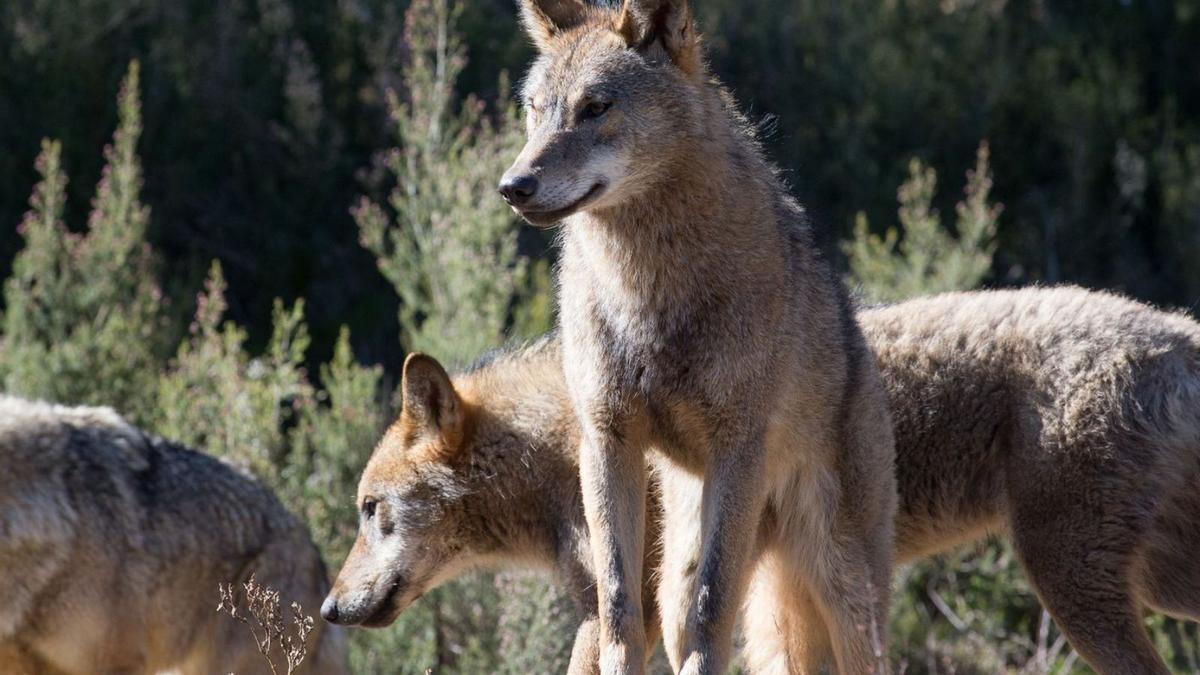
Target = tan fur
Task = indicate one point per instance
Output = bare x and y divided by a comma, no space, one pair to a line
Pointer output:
698,321
501,488
113,543
1068,419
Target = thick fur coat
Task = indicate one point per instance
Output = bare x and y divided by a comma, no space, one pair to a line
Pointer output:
700,326
1065,419
113,544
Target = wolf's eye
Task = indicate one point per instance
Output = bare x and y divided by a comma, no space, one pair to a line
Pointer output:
594,109
368,508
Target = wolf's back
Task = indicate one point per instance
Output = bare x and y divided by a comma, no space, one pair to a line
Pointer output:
981,383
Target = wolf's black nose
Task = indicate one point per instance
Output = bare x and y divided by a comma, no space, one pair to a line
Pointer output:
518,189
329,610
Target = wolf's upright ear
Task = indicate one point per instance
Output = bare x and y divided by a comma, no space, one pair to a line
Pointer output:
544,19
645,24
431,405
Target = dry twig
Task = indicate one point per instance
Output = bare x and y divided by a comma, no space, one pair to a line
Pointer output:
269,628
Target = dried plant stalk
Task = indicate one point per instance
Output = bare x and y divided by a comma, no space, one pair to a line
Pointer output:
268,627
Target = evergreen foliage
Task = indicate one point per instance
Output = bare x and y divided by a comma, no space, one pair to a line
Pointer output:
923,256
262,114
83,318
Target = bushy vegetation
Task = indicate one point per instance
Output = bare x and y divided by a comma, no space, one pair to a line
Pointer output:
85,321
261,113
929,258
452,302
264,121
83,314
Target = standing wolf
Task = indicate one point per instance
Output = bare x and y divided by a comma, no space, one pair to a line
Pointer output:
698,319
113,543
1068,420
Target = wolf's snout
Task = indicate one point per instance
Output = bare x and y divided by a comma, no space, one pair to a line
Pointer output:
518,190
329,609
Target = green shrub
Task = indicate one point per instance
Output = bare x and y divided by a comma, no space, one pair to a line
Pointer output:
923,256
215,395
83,319
442,238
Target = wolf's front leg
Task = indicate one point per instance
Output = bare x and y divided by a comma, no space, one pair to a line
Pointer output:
613,472
731,507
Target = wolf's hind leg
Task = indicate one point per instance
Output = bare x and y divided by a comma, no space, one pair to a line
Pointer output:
681,505
1079,562
784,632
849,601
585,655
1168,576
844,568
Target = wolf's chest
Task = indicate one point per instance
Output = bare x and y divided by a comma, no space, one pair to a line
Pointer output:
650,353
636,328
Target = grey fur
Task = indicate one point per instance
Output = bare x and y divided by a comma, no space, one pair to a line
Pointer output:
1069,420
113,543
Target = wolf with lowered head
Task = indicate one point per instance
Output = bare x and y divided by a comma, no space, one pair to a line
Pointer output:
699,320
113,544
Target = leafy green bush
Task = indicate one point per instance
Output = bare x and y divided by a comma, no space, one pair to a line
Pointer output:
923,256
215,395
83,317
446,244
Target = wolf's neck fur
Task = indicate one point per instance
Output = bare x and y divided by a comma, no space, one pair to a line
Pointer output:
713,213
523,499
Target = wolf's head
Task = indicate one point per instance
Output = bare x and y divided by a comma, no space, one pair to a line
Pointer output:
408,499
608,103
435,497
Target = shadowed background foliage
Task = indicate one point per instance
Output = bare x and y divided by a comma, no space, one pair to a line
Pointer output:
299,192
263,118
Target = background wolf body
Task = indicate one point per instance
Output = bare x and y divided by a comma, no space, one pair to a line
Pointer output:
1069,420
699,320
113,543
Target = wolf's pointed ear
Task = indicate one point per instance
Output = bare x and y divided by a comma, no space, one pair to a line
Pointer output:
431,405
544,19
647,23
